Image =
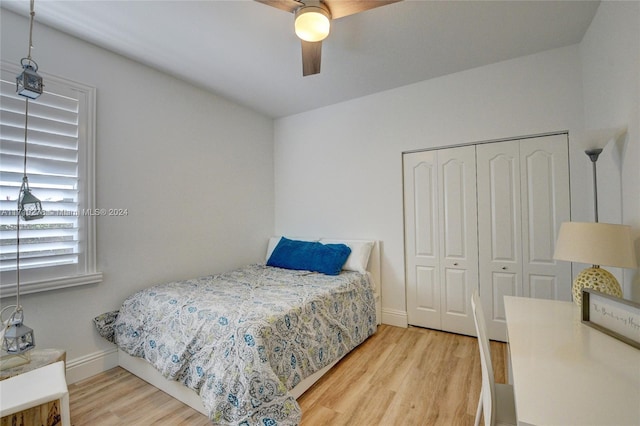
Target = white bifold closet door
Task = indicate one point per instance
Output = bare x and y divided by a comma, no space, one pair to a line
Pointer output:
484,216
441,238
523,197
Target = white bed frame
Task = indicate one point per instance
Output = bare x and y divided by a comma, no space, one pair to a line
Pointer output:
148,373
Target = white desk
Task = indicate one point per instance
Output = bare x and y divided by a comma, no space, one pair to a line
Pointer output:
566,373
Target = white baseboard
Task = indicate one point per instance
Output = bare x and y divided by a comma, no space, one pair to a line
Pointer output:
89,365
395,317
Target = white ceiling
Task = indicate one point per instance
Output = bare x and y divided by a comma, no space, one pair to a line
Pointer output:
247,52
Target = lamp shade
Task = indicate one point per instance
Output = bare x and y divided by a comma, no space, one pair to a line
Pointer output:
602,244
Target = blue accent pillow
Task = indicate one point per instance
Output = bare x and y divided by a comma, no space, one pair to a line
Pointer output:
309,256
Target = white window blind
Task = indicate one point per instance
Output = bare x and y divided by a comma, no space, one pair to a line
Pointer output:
59,249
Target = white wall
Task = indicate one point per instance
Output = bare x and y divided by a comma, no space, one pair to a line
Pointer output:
338,170
610,54
194,171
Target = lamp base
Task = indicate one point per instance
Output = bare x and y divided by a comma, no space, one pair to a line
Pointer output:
598,279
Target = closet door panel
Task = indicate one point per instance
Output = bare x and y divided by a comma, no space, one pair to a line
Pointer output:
502,284
543,286
453,209
537,181
545,205
422,239
458,239
503,205
424,210
455,292
426,296
499,230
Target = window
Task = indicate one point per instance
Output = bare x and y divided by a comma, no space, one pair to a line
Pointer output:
58,250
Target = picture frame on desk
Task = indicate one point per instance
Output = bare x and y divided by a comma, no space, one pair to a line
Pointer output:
619,318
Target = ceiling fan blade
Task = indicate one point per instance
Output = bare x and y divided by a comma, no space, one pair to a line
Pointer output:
342,8
286,5
311,56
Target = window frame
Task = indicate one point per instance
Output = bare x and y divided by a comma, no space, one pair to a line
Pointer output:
47,278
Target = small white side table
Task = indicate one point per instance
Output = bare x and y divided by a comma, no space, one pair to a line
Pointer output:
38,396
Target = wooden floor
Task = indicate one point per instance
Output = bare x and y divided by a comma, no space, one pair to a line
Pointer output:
399,376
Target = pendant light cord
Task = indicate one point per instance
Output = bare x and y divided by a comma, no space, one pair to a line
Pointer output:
18,258
24,173
25,185
26,105
32,14
26,124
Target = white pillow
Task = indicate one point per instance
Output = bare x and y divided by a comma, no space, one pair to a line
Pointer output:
273,242
360,252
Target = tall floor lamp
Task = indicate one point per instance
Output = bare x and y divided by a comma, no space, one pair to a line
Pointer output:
600,244
593,155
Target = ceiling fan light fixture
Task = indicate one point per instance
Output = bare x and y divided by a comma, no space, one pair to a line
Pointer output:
312,23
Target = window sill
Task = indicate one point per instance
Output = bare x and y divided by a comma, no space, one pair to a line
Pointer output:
53,284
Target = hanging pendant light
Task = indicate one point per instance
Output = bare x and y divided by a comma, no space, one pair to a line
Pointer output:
29,207
28,82
16,338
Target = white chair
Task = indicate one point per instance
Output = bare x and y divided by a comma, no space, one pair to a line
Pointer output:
35,388
496,399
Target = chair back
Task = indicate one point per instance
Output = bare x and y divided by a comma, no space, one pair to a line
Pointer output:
488,381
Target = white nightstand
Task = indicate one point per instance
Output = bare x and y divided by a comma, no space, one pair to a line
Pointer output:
36,394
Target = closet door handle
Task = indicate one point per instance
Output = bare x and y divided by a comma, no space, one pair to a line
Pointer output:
504,268
455,263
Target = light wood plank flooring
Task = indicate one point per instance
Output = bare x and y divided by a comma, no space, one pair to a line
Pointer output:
399,376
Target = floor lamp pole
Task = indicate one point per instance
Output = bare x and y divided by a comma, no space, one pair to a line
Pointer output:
593,156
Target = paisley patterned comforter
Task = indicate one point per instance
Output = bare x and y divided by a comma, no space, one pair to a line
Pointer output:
244,338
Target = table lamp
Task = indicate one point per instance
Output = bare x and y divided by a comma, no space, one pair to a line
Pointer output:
600,244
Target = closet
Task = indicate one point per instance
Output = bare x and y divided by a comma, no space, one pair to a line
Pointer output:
484,216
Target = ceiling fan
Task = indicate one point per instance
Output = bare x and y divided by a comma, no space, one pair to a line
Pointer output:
313,22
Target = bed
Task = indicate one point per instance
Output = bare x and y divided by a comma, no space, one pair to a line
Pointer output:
241,346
